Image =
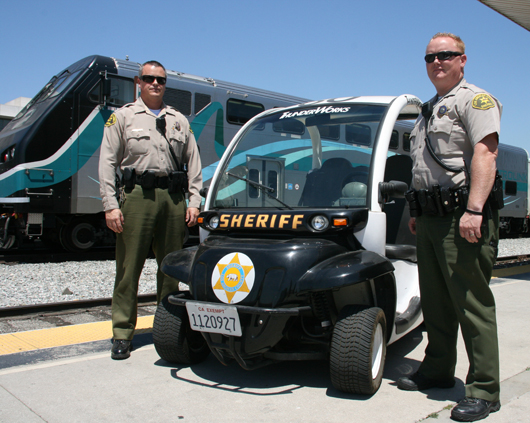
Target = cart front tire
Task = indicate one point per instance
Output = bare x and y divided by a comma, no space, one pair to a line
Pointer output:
175,342
358,350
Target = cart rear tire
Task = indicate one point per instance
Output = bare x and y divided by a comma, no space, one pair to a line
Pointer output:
175,342
358,350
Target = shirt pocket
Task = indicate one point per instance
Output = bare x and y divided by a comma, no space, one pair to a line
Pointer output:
177,141
138,141
440,135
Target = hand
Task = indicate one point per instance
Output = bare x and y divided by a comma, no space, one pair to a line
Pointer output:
470,227
115,220
412,225
192,214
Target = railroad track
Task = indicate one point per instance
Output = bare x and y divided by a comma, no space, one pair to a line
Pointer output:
55,256
512,260
508,265
51,308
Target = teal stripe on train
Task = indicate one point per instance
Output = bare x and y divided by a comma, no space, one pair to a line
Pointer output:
66,162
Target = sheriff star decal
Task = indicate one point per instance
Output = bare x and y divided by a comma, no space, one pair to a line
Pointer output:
111,121
233,278
483,102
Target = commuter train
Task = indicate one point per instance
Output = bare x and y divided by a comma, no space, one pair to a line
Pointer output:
49,185
49,153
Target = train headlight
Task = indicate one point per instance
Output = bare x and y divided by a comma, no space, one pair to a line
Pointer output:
8,154
319,223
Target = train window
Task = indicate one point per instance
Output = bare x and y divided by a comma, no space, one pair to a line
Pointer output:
201,101
510,188
60,84
358,134
253,175
329,132
94,93
179,99
394,140
240,112
121,92
406,141
290,126
272,179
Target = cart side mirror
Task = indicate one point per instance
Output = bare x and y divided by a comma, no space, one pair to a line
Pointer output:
392,189
204,192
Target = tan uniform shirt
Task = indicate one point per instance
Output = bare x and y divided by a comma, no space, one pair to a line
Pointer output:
460,119
130,139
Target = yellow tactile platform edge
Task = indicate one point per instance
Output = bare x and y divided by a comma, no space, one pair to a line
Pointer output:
65,335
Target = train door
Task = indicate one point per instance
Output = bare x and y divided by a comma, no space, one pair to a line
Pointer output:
94,103
265,171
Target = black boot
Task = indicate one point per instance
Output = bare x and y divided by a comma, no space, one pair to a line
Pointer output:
121,349
471,409
418,382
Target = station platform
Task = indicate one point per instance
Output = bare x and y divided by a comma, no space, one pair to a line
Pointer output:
66,374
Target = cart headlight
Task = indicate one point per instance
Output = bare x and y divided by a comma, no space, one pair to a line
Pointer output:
319,223
213,223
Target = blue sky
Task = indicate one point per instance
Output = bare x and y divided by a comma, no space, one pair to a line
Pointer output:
314,48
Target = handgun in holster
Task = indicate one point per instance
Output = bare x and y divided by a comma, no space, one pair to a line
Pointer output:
128,177
178,182
414,206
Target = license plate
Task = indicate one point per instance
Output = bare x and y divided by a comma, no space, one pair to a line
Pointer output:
214,318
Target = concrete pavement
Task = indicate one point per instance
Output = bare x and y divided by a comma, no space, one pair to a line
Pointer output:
90,387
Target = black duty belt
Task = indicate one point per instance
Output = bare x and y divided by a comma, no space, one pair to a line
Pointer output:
177,181
441,201
436,202
149,181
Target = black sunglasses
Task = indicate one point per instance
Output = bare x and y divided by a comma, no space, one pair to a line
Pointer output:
441,55
150,79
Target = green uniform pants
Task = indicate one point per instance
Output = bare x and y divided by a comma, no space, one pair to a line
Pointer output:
454,283
152,218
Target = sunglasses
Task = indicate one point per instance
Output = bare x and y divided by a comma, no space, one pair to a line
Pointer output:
441,55
150,79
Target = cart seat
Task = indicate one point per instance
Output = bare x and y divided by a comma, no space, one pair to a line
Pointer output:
401,252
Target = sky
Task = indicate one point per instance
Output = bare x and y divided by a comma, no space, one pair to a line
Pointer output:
314,49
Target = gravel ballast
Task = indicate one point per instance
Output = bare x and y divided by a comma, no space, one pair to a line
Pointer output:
29,283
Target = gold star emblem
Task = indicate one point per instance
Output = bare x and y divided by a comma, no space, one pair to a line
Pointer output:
232,277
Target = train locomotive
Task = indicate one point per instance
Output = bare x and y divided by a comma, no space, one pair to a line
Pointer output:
49,152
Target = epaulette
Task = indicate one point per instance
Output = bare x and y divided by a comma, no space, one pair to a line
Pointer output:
172,108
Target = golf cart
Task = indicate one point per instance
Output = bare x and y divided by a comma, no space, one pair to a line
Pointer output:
305,252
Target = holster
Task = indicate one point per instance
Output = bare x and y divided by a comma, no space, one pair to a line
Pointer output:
178,182
496,198
128,178
148,179
412,198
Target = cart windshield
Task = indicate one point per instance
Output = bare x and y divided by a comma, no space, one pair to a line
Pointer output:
308,156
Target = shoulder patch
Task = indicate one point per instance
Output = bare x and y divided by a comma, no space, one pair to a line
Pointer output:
483,102
191,130
111,121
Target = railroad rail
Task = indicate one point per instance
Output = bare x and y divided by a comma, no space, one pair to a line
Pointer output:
47,308
55,256
508,265
512,260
